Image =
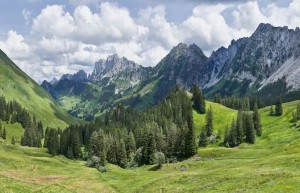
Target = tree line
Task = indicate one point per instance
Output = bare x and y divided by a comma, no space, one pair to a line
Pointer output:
128,138
244,104
12,112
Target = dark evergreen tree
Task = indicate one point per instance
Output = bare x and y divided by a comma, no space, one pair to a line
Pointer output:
232,138
278,107
256,121
198,100
122,155
53,143
47,132
217,98
203,141
130,144
249,128
226,136
240,128
209,127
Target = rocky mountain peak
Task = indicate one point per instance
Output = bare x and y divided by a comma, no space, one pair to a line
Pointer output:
112,66
263,27
81,75
53,81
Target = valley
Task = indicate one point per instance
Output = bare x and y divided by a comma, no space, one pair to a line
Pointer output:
270,165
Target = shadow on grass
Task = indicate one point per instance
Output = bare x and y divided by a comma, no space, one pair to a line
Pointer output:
155,168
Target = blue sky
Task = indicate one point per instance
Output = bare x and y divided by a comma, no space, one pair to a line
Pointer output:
48,38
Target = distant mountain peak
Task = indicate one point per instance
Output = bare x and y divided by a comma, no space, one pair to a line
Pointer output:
53,81
81,75
264,26
115,66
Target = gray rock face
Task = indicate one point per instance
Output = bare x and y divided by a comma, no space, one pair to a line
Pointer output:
184,65
259,58
114,67
79,76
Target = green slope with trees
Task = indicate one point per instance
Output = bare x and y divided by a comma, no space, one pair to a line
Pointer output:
270,165
16,85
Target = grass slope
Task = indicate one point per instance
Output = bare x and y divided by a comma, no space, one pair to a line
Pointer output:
270,165
222,116
15,84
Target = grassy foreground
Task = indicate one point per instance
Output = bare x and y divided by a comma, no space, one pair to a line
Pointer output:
270,165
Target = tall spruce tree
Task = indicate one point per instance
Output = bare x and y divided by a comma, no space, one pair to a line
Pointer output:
249,128
256,120
122,155
47,132
240,128
190,142
278,107
226,136
53,143
198,100
203,141
209,122
232,139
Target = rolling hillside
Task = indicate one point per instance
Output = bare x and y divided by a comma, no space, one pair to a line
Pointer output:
16,85
270,165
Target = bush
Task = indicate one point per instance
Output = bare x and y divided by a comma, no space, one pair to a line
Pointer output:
93,162
158,158
102,169
136,159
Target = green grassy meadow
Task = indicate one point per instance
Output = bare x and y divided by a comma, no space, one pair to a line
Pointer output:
272,164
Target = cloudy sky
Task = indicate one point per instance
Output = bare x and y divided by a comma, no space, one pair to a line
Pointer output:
48,38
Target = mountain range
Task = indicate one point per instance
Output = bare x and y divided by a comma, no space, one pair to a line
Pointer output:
264,64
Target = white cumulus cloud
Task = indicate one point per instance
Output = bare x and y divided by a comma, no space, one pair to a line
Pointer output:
63,41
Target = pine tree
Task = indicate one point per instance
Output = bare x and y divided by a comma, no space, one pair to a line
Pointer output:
130,144
278,107
47,132
232,139
53,143
209,122
75,143
240,128
249,128
256,121
217,98
226,136
203,139
190,142
198,100
122,162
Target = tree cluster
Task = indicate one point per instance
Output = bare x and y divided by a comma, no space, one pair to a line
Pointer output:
129,138
278,108
244,129
13,112
244,104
